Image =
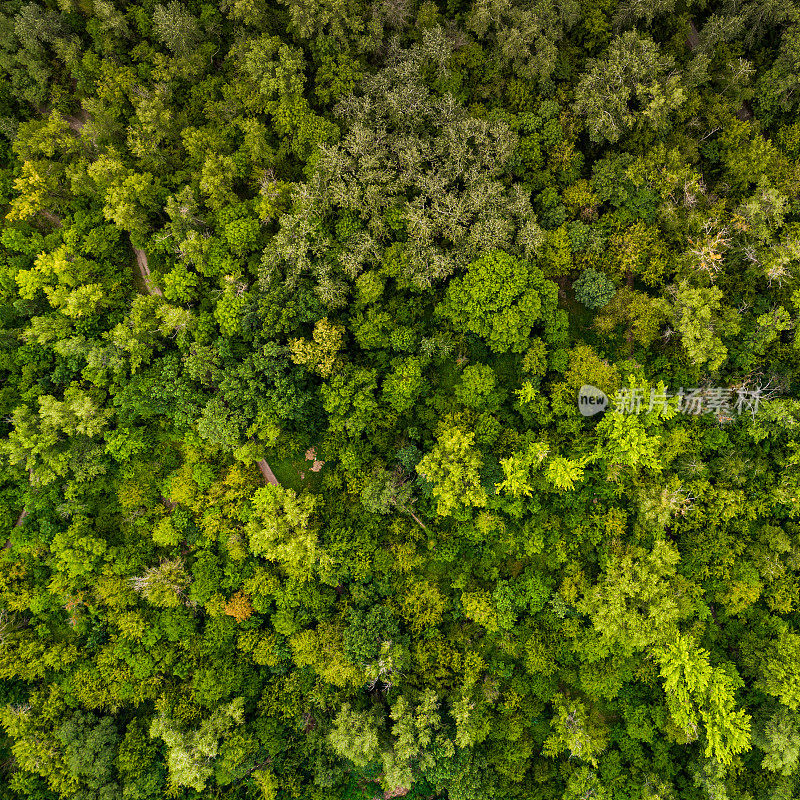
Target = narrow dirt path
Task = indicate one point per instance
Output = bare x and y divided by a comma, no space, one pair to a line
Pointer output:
144,271
20,519
75,122
266,471
78,121
693,37
51,218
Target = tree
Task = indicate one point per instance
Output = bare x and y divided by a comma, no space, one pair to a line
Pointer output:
354,735
36,748
702,320
90,752
141,773
777,669
576,729
642,315
523,37
416,737
37,439
777,86
271,79
517,469
778,736
164,585
419,173
453,468
29,40
632,84
239,607
403,384
320,354
128,195
282,528
349,399
564,472
697,692
191,752
478,388
387,490
639,600
175,27
626,444
500,298
593,288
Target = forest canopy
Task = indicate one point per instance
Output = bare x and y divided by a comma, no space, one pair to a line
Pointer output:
301,493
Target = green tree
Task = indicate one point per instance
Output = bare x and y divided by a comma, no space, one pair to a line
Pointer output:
501,299
282,529
576,730
321,353
191,752
349,399
175,27
639,600
697,692
386,490
403,384
416,737
702,320
420,174
778,736
453,467
593,288
164,585
90,752
355,735
478,388
777,673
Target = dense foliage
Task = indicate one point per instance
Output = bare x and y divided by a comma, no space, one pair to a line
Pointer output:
296,299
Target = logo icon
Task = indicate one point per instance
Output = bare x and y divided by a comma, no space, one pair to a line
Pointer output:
591,400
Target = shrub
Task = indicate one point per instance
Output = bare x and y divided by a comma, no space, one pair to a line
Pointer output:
593,288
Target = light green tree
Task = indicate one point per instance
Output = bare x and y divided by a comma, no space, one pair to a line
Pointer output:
282,528
518,468
563,473
698,693
349,399
415,731
191,752
701,319
164,585
639,599
778,736
320,354
478,388
403,384
453,467
576,730
354,735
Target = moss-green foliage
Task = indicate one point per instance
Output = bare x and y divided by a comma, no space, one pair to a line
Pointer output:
376,248
593,288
